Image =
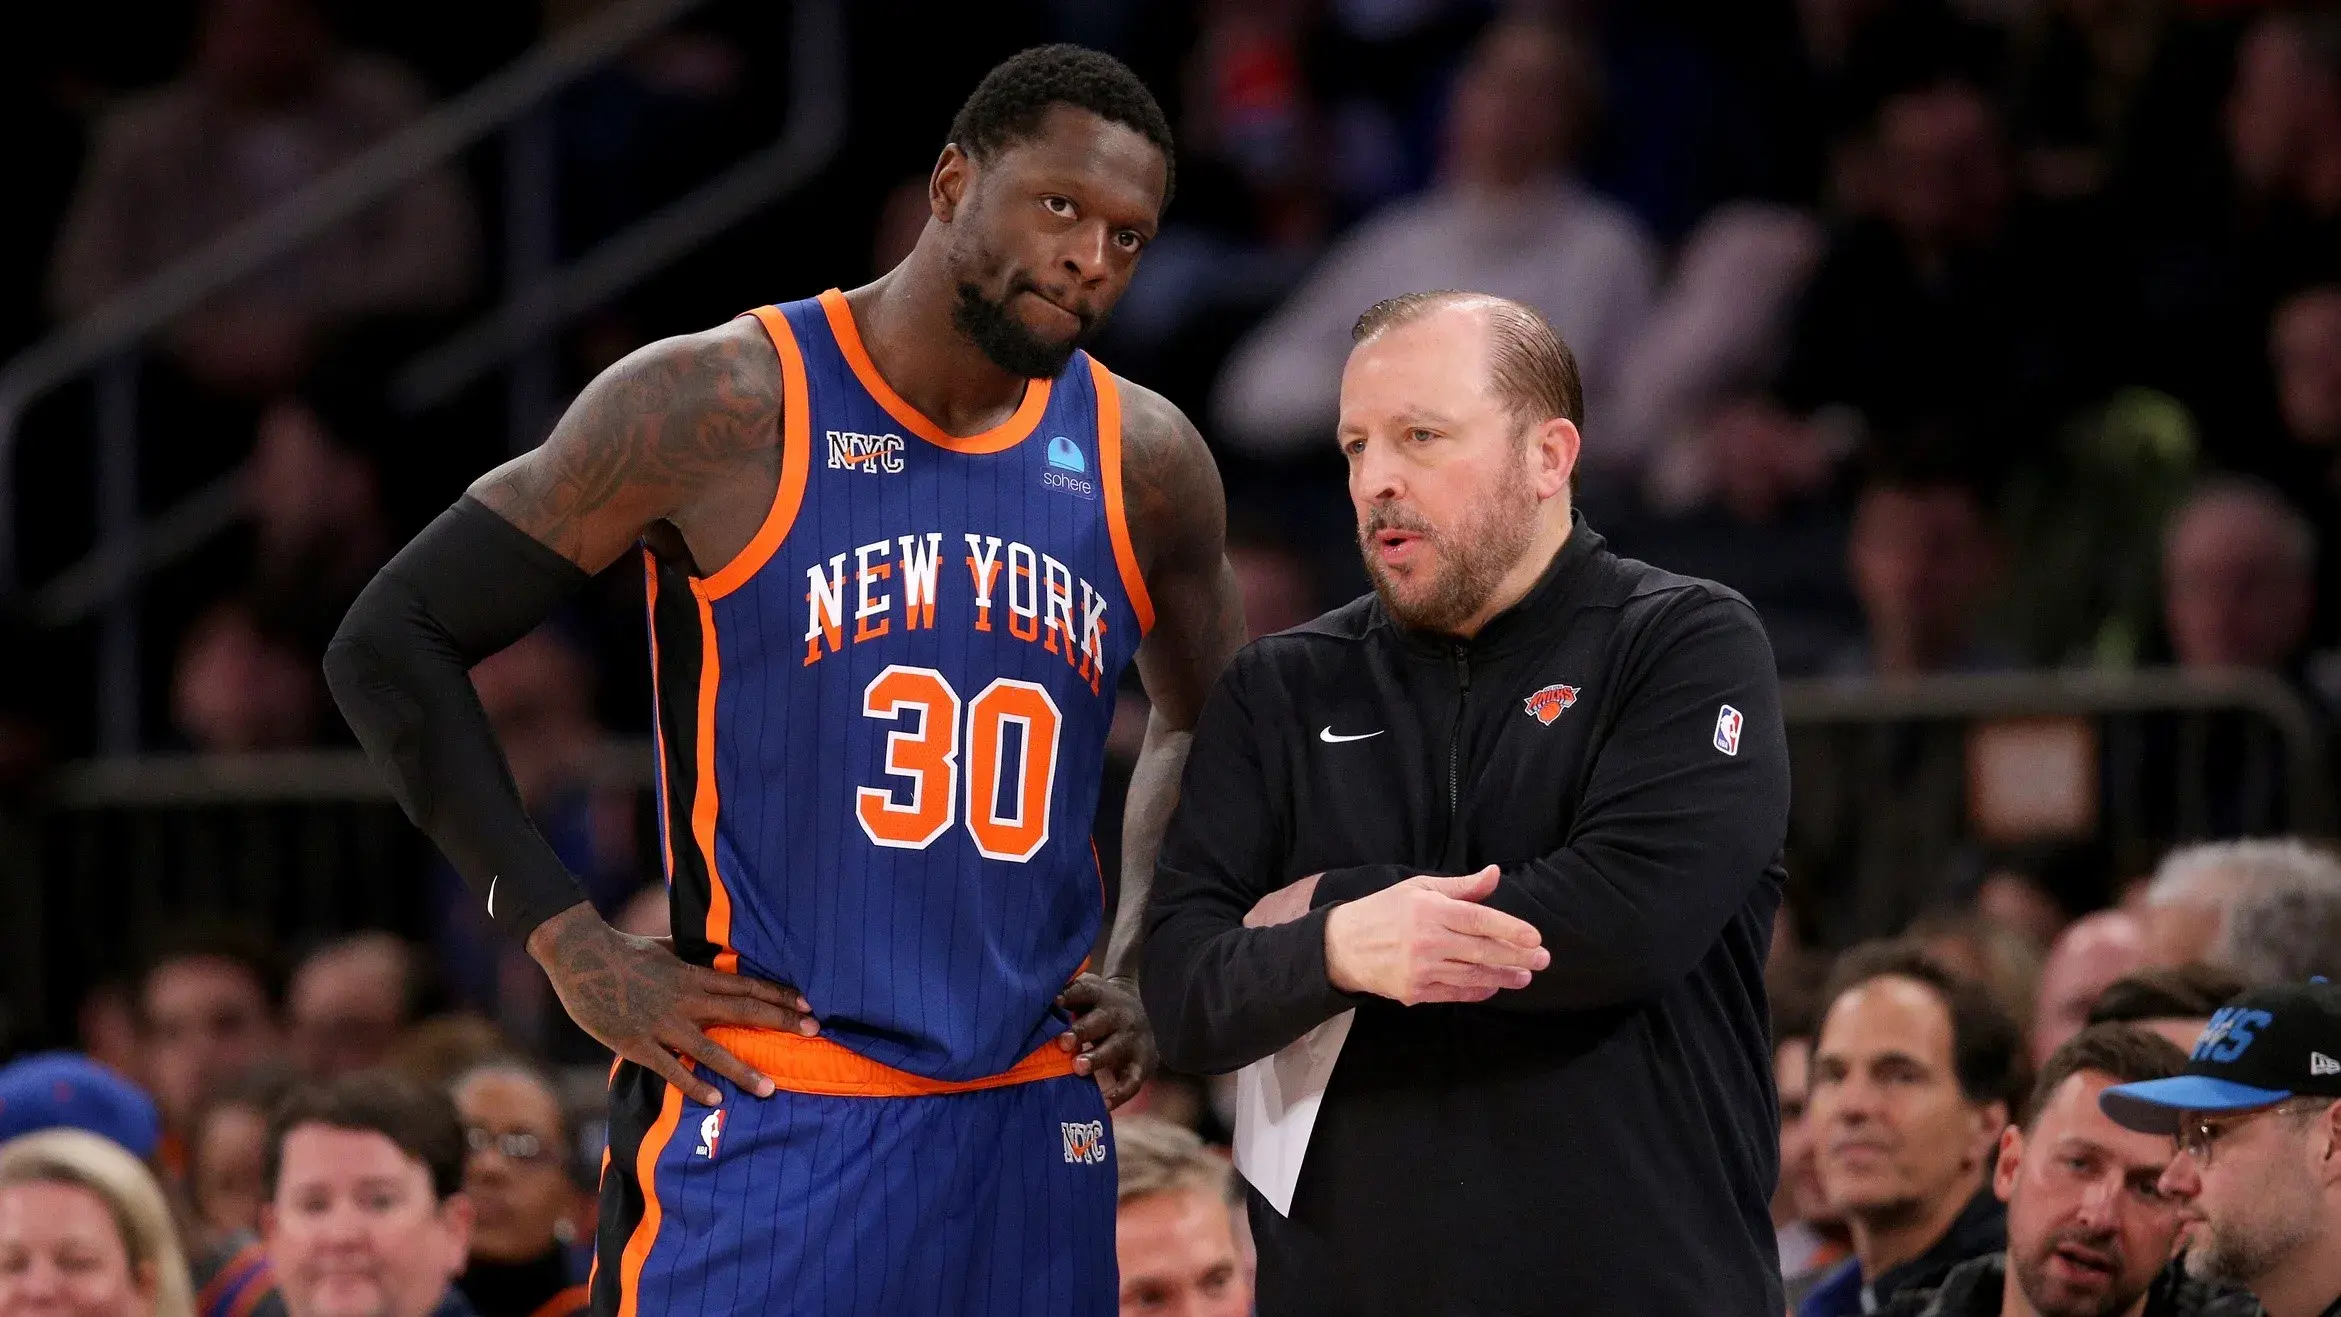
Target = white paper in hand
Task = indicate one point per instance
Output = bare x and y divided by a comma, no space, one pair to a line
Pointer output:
1276,1106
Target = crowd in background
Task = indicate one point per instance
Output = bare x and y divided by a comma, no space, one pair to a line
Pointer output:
1961,336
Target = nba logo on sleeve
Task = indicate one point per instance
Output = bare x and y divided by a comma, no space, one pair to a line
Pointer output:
1727,725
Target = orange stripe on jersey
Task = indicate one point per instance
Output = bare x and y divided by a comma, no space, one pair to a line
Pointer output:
1007,434
826,1069
654,1142
658,731
1109,471
796,448
564,1304
703,801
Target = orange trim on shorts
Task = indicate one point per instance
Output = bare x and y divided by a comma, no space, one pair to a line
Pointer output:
826,1069
658,732
575,1299
1007,434
718,930
1109,470
796,445
638,1244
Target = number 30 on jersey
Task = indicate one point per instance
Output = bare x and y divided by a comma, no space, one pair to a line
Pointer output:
929,758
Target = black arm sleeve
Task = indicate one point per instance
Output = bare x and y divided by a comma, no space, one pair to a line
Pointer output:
400,668
1222,995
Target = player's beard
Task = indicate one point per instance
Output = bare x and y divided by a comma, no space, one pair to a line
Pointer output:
1005,340
1471,560
2032,1275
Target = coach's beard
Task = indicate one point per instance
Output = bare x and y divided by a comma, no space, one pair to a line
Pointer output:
1469,564
1006,341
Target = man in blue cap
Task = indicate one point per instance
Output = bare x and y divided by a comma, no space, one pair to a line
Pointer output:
66,1090
2257,1119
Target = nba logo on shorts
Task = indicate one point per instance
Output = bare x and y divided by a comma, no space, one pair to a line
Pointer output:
1084,1142
1727,725
710,1134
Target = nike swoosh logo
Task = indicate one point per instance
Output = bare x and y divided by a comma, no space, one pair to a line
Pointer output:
856,459
1329,737
492,894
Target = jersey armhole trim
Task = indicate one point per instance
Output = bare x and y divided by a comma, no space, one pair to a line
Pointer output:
1109,470
1007,434
796,443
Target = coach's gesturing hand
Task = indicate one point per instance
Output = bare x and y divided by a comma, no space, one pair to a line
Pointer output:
642,1002
1427,939
1110,1036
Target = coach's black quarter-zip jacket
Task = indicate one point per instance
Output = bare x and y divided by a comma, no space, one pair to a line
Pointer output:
1602,1141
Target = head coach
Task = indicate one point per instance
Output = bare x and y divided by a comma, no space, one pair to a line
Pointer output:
1555,1093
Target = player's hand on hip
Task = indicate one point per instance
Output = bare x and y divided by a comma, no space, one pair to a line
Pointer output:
1428,939
639,1000
1111,1038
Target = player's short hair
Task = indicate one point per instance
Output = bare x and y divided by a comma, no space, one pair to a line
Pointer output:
2123,1053
421,1121
1987,1046
1530,368
1153,1156
2181,992
1008,106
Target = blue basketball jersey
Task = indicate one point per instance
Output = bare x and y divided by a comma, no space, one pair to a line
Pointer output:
881,728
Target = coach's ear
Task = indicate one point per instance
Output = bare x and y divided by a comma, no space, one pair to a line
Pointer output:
947,186
1552,456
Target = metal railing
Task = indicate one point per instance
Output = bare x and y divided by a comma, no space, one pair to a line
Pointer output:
107,340
310,841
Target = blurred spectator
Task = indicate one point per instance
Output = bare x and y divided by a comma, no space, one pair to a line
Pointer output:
1956,299
237,688
2239,572
2304,345
318,525
2112,89
1715,335
2197,889
1174,1224
2088,1232
105,1025
366,1211
227,1156
1913,1078
527,1254
2092,953
208,1007
269,105
1274,581
65,1090
443,1048
2284,931
349,1001
2173,1002
1505,218
2284,141
1810,1233
2005,962
85,1230
1924,558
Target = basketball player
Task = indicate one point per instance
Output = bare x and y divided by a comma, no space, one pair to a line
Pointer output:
898,545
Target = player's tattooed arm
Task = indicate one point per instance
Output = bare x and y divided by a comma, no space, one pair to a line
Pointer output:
1178,527
663,444
673,433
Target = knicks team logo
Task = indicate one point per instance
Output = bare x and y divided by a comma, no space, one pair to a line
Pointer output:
1084,1142
1549,703
872,453
711,1133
